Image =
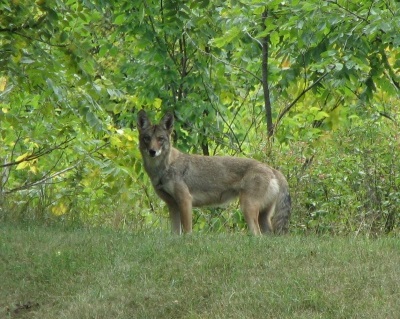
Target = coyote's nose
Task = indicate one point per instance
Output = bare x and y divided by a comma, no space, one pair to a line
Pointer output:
152,153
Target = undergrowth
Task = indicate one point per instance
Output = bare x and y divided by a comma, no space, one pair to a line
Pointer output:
343,182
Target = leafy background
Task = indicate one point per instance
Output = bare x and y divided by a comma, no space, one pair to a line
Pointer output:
310,87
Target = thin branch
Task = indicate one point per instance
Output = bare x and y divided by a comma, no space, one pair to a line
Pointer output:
54,166
157,38
305,69
6,171
39,153
253,122
389,117
222,61
369,10
42,180
47,177
6,91
25,26
254,39
389,8
350,12
40,40
29,26
222,117
392,74
289,106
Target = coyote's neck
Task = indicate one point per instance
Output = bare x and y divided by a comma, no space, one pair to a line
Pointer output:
156,167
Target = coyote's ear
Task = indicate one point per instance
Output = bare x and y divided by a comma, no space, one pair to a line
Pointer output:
167,122
142,120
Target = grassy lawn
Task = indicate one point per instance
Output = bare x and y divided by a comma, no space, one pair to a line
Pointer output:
57,273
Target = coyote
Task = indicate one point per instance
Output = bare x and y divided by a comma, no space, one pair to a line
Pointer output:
184,181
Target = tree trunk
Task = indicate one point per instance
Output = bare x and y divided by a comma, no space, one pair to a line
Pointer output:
265,83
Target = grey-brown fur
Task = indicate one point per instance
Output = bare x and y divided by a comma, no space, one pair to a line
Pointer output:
184,181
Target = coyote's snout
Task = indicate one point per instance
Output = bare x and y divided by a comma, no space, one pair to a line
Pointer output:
184,181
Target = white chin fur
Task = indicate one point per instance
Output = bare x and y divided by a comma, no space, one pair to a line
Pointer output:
157,153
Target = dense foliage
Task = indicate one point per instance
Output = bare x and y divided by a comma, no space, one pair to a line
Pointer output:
311,87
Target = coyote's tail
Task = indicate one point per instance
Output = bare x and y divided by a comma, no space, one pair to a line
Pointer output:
280,220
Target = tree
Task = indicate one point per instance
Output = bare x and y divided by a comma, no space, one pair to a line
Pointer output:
48,93
235,73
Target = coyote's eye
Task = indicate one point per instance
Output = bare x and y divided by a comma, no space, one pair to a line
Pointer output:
161,139
146,139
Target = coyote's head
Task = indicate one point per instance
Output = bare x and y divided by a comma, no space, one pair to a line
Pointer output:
154,140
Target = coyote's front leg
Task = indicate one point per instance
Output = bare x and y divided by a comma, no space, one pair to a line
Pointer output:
174,214
175,217
179,206
183,200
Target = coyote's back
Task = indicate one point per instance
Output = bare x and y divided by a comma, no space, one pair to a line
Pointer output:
184,181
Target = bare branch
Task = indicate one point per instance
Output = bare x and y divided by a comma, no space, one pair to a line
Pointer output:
42,180
39,153
350,12
229,126
48,177
289,106
389,117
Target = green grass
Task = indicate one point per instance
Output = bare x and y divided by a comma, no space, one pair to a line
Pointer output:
58,273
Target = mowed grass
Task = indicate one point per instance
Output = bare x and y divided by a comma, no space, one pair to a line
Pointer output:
58,273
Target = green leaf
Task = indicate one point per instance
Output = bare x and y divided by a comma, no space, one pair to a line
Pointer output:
228,37
120,20
26,60
22,166
22,157
321,115
63,36
92,120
